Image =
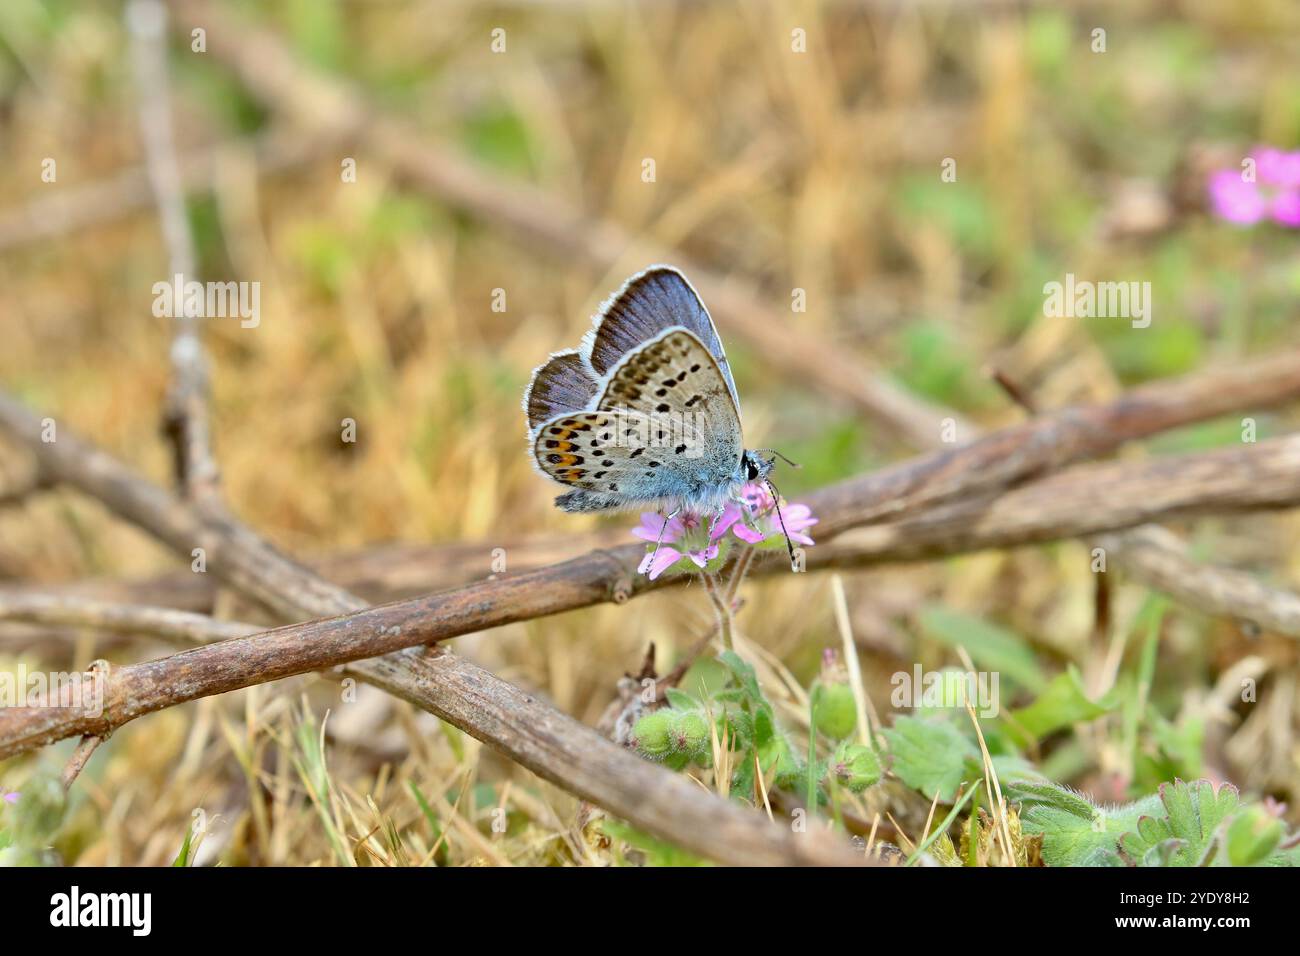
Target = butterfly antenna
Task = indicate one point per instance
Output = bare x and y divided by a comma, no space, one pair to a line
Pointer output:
776,500
773,451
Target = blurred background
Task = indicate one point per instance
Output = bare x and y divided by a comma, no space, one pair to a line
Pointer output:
420,317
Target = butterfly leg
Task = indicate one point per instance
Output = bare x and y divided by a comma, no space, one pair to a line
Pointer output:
746,512
663,527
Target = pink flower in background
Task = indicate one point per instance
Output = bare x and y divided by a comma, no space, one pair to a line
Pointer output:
1278,168
1274,193
10,796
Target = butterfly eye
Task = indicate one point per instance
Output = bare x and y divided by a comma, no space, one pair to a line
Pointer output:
751,471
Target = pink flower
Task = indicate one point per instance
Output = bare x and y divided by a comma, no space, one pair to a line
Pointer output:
1273,193
655,564
10,796
1286,209
698,539
1277,168
1236,200
697,547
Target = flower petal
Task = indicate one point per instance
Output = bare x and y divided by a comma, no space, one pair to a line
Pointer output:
1286,208
651,523
666,558
1236,200
730,515
745,533
701,558
1275,167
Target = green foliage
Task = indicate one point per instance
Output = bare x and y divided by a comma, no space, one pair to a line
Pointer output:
28,827
1184,824
739,714
963,214
187,845
499,136
929,756
991,647
656,852
1186,834
937,365
1252,836
1075,831
1062,703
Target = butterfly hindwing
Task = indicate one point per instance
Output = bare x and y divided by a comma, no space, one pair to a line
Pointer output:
563,384
650,302
610,456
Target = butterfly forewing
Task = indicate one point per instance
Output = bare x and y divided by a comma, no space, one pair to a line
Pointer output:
650,302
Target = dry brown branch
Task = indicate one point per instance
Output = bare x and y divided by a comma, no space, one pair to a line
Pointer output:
965,472
74,209
1055,439
379,573
185,421
1082,500
1091,498
64,610
1158,559
531,733
997,460
1117,495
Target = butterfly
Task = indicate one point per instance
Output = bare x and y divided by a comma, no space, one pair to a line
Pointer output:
645,411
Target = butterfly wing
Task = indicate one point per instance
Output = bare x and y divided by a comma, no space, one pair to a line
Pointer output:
650,302
564,384
605,456
665,428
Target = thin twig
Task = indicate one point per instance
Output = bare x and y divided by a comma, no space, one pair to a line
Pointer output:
66,610
77,762
1159,559
186,420
76,208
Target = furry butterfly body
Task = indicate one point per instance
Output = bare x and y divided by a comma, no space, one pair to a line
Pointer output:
645,412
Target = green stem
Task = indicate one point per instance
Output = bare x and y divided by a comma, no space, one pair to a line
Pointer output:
943,827
812,763
738,573
720,606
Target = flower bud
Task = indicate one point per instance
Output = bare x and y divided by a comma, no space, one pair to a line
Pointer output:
854,766
650,734
834,709
690,734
